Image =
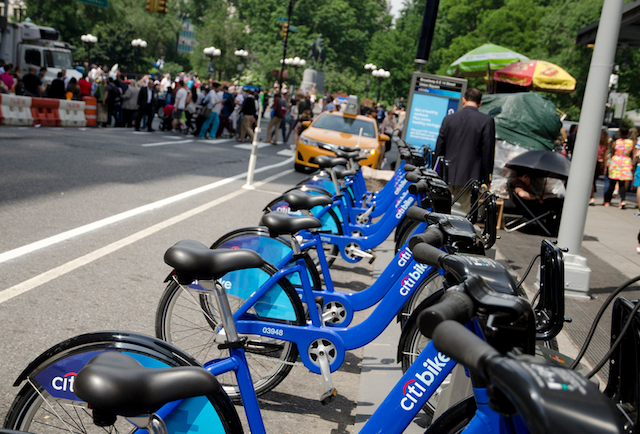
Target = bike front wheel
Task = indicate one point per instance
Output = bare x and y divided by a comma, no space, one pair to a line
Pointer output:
190,320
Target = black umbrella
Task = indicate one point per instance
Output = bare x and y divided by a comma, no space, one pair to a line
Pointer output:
541,164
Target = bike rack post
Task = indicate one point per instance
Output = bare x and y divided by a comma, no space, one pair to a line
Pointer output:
254,149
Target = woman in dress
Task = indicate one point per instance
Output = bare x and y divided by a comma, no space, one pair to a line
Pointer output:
619,167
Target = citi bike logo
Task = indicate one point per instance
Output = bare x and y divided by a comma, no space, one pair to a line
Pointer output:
404,207
412,278
416,387
405,257
64,383
400,199
399,187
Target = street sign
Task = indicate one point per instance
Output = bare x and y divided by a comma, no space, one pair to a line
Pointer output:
211,68
283,19
100,3
292,28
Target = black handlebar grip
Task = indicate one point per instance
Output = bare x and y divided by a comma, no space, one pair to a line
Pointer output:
432,236
413,176
454,305
418,187
427,254
409,167
417,214
459,343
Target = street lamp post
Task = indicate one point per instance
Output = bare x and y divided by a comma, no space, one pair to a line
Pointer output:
89,39
296,62
242,54
369,67
380,73
138,44
211,52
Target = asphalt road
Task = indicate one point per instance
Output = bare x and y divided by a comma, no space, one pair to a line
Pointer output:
86,216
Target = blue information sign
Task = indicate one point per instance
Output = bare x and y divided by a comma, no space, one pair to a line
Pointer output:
432,97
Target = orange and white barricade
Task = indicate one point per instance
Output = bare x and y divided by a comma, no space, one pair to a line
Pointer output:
45,112
72,113
15,110
90,110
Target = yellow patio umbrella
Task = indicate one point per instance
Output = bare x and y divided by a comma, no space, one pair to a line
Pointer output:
537,75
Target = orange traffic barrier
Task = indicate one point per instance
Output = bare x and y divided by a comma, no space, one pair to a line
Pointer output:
45,112
90,110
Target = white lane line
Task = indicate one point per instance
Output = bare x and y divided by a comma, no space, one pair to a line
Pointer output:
70,266
249,146
167,143
29,248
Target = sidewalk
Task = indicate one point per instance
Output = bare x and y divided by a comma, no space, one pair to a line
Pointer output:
610,239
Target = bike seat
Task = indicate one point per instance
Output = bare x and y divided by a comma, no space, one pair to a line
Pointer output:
280,223
347,152
196,261
324,161
344,173
298,200
115,383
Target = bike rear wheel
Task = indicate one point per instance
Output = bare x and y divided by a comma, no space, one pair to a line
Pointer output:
36,410
190,320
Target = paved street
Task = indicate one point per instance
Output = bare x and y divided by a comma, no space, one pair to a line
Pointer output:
88,213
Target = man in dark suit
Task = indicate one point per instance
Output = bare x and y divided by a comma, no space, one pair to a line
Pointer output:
145,105
467,140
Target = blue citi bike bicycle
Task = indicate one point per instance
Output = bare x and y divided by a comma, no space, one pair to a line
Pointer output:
187,316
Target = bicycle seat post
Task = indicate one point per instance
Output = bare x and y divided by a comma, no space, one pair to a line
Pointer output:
152,422
225,308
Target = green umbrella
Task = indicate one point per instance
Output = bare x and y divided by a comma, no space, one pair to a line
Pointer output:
480,61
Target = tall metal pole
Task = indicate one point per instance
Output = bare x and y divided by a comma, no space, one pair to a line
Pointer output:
286,40
576,203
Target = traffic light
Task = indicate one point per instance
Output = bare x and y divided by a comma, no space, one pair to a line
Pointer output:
150,6
163,6
285,29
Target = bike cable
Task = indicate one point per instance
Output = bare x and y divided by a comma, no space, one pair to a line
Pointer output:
607,356
598,317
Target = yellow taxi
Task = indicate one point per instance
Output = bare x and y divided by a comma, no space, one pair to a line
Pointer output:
332,129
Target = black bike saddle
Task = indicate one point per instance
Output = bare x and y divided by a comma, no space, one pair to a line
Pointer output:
194,260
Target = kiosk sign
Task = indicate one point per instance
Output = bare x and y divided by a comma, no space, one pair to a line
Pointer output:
432,97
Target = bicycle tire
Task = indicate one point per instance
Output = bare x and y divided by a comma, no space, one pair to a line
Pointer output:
35,411
455,419
431,284
191,322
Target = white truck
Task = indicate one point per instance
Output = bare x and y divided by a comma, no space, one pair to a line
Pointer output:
27,44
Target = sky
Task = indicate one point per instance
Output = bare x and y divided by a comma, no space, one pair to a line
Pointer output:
396,6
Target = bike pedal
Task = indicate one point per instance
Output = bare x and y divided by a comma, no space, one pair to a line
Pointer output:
328,396
373,258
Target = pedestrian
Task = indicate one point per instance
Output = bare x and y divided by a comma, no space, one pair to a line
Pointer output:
292,119
211,109
248,117
603,148
227,107
275,120
182,97
145,104
113,100
7,77
85,86
31,82
57,88
467,141
101,107
74,89
286,118
129,104
619,166
330,105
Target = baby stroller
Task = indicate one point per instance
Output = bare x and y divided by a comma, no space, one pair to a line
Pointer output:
166,118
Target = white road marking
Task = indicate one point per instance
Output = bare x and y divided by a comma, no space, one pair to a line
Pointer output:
249,146
146,145
29,248
70,266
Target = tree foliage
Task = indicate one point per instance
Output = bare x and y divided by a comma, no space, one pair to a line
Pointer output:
355,32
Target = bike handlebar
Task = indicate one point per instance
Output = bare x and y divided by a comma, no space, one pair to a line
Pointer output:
466,348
